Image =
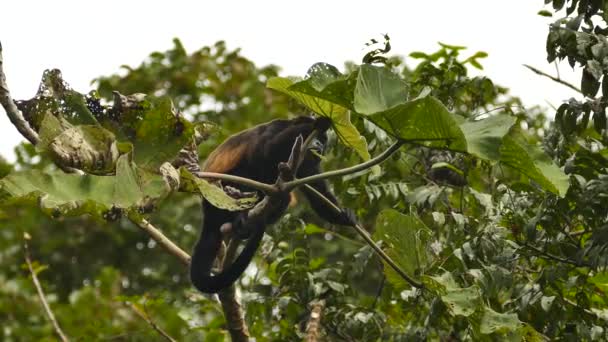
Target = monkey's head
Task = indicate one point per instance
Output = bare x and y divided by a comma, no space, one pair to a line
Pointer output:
317,145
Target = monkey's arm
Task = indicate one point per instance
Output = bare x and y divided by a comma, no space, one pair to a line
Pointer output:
345,217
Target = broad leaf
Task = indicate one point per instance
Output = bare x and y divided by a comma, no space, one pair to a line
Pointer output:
462,301
90,148
424,120
484,137
325,99
60,194
214,194
306,94
531,161
406,239
492,322
378,89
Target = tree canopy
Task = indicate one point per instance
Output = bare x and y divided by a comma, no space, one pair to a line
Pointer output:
480,219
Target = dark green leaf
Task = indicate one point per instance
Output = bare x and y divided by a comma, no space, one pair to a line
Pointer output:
406,239
484,137
589,84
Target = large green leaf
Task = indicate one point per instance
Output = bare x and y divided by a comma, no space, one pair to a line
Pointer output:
305,93
459,301
61,194
90,148
484,137
424,120
406,239
462,301
323,98
377,90
531,161
492,322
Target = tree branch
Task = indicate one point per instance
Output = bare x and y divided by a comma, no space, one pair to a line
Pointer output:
14,114
349,170
363,233
314,322
143,314
556,79
555,257
162,240
45,304
265,188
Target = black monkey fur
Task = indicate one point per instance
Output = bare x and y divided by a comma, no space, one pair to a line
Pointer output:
255,154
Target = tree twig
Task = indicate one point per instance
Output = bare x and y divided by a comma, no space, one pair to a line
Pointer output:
143,314
161,239
554,257
14,114
41,296
555,79
265,188
363,233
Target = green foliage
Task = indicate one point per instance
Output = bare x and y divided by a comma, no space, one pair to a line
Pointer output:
406,239
60,194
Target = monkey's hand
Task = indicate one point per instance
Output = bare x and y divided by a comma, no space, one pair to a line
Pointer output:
244,226
348,217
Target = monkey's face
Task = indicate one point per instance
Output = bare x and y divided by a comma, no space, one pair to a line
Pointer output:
317,146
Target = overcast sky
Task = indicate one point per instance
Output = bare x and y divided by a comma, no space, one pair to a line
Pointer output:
86,39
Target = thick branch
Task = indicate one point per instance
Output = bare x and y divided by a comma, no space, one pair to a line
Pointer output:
349,170
314,322
363,233
45,304
14,114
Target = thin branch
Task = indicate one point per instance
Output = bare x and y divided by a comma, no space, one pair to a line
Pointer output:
314,322
230,305
14,114
265,188
161,239
363,233
287,186
555,79
554,257
143,314
45,304
349,170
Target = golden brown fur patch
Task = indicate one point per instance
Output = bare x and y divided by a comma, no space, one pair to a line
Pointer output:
224,158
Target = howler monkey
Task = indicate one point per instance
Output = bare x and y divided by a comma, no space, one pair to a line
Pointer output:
255,154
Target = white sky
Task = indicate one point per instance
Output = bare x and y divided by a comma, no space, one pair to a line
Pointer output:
86,39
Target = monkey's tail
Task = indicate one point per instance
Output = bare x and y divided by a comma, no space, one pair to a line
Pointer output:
205,253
